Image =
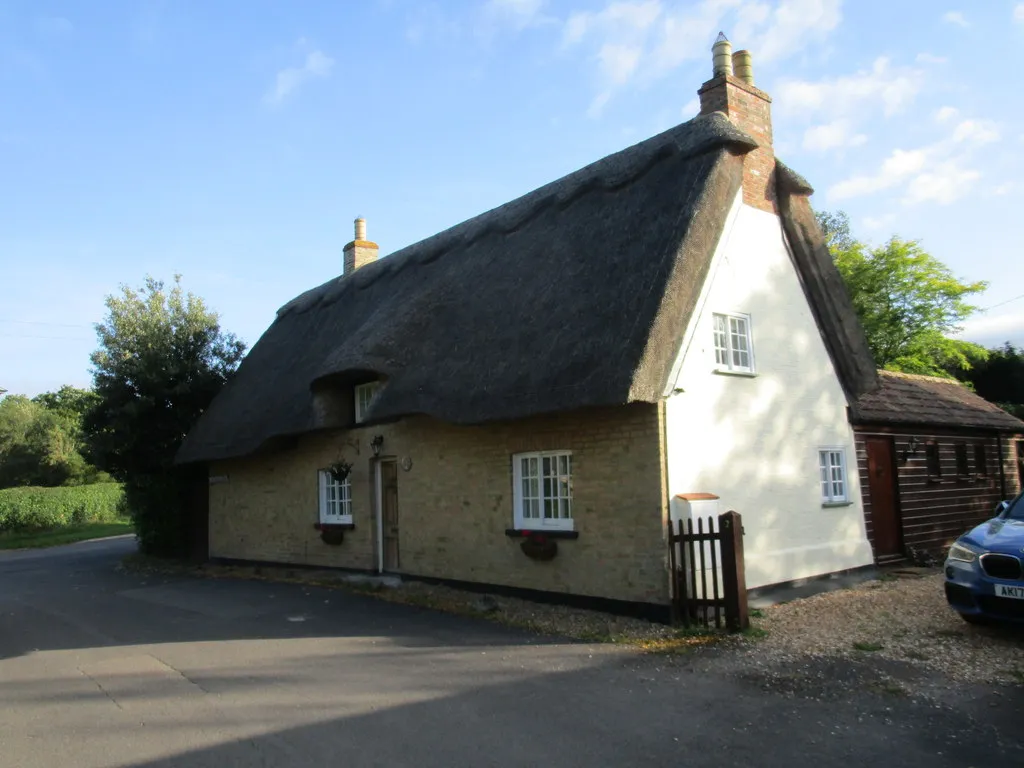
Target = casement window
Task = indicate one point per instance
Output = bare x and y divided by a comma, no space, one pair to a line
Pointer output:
542,490
932,461
980,460
832,468
962,468
734,348
364,398
335,499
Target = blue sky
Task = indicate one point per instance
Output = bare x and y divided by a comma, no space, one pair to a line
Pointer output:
234,142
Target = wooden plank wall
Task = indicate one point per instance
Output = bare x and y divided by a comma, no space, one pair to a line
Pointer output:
934,513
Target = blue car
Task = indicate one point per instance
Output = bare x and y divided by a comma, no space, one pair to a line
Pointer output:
985,568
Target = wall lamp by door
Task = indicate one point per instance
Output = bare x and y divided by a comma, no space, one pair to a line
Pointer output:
376,444
910,450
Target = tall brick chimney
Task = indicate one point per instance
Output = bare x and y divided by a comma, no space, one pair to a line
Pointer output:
360,251
731,90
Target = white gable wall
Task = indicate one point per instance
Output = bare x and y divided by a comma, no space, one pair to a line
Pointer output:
754,440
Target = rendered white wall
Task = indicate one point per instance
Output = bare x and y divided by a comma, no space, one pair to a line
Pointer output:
754,441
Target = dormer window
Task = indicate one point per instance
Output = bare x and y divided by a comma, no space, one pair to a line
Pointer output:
365,393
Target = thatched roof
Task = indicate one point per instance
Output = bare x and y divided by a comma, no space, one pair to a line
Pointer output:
906,399
574,295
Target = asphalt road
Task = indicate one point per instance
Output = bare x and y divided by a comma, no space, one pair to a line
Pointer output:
100,667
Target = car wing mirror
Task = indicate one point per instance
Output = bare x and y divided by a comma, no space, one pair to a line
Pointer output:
1001,508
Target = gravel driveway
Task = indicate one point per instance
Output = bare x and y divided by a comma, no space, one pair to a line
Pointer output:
902,618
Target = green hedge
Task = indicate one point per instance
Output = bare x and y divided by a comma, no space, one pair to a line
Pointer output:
27,509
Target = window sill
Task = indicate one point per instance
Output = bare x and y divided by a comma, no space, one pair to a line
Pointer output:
519,533
741,374
335,526
829,504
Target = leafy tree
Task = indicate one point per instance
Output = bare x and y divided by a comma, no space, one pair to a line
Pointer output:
42,446
836,228
909,302
69,401
1000,378
162,358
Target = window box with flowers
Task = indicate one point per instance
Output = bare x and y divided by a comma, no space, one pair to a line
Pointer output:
538,545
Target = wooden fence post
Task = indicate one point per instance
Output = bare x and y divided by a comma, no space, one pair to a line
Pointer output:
733,576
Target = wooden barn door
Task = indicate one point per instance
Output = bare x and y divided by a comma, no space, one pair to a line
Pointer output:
389,514
885,520
1020,464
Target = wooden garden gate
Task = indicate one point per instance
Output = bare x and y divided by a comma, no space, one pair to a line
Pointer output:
709,587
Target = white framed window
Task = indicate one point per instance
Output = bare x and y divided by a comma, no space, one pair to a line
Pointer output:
734,347
335,499
832,467
542,490
364,398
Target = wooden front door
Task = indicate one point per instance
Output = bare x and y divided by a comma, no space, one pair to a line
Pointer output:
885,519
389,513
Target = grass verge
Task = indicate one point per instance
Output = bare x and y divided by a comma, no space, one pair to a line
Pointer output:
69,534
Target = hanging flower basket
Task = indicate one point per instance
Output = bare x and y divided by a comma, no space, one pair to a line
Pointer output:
330,534
339,470
538,546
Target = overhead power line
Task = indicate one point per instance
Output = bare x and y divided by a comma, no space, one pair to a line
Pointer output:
42,322
1001,303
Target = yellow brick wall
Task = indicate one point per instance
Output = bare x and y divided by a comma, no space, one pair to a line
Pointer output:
455,502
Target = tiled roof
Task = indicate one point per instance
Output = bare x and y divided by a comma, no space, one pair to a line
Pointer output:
905,398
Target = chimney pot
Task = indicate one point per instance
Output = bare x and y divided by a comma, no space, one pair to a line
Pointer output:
743,66
722,56
360,251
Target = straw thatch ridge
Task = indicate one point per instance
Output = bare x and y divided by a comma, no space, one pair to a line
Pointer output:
929,401
824,287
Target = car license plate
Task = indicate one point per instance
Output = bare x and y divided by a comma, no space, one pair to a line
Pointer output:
1004,590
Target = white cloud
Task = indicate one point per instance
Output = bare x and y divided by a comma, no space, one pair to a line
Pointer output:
995,329
944,183
690,108
1018,13
957,18
793,24
643,40
835,135
894,87
54,26
1004,189
896,168
937,172
317,64
945,114
514,15
976,131
875,223
928,58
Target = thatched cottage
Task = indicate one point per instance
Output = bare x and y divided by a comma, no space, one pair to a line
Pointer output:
580,361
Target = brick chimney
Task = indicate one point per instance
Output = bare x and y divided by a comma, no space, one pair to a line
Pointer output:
360,251
731,90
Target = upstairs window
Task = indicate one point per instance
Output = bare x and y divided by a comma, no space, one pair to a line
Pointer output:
734,349
335,499
542,490
365,394
832,468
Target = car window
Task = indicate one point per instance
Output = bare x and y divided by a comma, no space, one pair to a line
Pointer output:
1016,510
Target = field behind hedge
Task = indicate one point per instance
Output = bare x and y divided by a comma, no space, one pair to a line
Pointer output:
33,509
